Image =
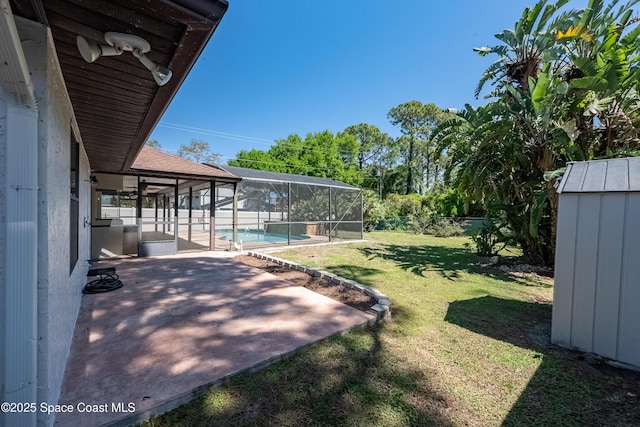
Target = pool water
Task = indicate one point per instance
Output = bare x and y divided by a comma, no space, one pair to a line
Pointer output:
254,236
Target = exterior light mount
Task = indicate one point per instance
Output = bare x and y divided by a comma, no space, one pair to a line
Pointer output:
118,43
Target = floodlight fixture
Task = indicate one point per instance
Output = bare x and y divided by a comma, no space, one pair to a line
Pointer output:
118,43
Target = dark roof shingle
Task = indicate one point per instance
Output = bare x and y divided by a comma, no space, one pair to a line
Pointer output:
158,162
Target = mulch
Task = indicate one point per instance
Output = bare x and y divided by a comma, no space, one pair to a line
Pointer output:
348,296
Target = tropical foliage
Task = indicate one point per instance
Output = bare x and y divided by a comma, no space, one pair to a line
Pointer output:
320,154
564,88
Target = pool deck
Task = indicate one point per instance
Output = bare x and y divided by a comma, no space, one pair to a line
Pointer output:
180,324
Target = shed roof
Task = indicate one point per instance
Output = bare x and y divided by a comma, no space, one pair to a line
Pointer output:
260,175
598,176
154,162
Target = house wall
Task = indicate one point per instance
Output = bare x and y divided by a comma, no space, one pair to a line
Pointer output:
3,221
59,290
596,277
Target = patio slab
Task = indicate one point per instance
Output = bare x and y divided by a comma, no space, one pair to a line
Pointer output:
180,324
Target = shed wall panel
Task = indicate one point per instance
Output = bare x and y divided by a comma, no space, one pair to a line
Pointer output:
629,326
597,280
609,267
584,280
565,257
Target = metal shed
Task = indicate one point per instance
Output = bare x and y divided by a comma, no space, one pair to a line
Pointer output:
597,276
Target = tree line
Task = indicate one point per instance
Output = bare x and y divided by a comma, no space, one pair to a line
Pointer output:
564,87
363,155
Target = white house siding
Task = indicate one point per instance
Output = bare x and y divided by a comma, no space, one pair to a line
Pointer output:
597,275
59,292
3,221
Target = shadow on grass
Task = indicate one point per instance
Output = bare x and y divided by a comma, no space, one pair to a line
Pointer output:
567,388
354,272
350,380
527,325
448,262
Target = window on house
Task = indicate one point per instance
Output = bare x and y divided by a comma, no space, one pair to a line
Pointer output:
74,202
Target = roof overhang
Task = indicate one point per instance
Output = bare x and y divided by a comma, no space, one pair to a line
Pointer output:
115,99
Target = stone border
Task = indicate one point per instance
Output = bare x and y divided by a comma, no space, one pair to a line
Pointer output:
382,308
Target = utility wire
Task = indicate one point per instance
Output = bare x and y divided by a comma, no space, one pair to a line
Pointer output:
243,138
215,133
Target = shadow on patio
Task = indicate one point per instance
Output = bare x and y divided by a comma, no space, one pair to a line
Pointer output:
182,323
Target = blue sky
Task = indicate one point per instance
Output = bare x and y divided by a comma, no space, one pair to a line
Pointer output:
273,68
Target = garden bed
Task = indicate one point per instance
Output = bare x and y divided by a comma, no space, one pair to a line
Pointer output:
348,296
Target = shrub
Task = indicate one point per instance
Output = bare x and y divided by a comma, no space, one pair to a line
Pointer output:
409,205
374,210
396,224
489,239
449,203
437,226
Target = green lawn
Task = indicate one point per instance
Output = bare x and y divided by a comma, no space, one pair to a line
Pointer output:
467,345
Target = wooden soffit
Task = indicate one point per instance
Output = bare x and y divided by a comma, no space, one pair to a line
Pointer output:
115,99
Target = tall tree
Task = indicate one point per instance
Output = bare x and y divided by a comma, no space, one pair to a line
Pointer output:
416,121
257,159
374,144
153,143
320,154
198,151
377,154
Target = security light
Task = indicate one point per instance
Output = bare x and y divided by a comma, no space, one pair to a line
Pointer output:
118,43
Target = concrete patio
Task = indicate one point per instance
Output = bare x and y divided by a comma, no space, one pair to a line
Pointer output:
180,324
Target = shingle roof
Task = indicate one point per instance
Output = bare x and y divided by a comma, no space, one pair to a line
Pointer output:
259,175
602,176
160,163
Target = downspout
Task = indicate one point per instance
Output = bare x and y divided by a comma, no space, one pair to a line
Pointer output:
19,323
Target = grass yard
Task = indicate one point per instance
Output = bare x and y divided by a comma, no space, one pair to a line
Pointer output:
467,345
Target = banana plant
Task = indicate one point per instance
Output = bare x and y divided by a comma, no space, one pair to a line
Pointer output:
523,48
565,88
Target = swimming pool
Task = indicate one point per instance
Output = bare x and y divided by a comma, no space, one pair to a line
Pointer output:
255,236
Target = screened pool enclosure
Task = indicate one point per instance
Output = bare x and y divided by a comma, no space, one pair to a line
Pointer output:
166,205
284,209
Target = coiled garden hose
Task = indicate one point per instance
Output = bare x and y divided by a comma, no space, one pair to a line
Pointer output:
105,283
